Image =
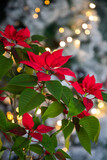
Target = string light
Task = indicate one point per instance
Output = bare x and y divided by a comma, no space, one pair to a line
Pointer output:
61,29
9,116
92,5
84,26
19,69
77,43
38,111
17,109
91,18
93,110
65,149
35,16
48,49
77,31
97,111
88,13
46,2
87,31
58,124
7,100
100,105
19,118
69,39
62,44
26,8
37,10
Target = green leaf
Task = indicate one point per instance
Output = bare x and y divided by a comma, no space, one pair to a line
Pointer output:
49,157
29,70
29,99
55,88
54,141
20,153
91,126
2,121
75,107
104,96
36,49
36,148
59,156
20,143
48,143
38,37
67,142
68,129
53,110
23,80
5,65
64,153
36,122
0,144
14,89
66,95
1,48
84,139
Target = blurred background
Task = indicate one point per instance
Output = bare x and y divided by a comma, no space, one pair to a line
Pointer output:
80,28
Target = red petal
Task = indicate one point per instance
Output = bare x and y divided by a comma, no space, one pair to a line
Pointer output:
83,114
88,103
52,57
60,76
78,88
32,64
26,32
98,95
39,60
2,98
23,44
44,129
37,136
65,71
12,32
27,121
60,61
7,32
43,77
1,91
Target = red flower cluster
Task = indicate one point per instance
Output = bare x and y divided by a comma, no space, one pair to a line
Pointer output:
48,64
88,87
15,37
2,98
28,123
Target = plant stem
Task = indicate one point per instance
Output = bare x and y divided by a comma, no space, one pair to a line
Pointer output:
13,104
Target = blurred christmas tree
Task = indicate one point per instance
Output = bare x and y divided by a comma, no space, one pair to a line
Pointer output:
77,26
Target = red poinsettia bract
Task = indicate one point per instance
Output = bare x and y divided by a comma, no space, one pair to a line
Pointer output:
15,37
2,98
88,87
28,123
48,64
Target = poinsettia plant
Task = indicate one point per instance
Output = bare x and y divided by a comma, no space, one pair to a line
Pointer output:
32,80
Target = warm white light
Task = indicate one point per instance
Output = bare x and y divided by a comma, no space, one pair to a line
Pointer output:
69,39
59,123
88,13
100,105
9,116
84,26
92,5
37,10
77,43
77,31
91,18
61,29
62,44
98,112
47,49
19,69
96,18
38,111
87,32
7,100
17,109
94,111
65,149
35,16
19,118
